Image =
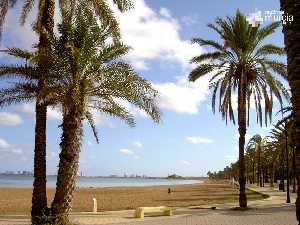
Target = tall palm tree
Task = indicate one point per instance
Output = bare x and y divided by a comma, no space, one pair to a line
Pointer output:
292,42
120,76
255,142
271,159
44,27
250,159
93,76
243,64
282,136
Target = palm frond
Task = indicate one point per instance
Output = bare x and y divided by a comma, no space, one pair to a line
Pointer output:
27,7
270,49
200,71
91,121
18,53
207,56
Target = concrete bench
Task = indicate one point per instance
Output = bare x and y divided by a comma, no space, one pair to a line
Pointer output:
140,211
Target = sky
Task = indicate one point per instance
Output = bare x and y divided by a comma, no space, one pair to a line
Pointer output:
190,140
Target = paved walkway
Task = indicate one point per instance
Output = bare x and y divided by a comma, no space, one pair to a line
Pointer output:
270,211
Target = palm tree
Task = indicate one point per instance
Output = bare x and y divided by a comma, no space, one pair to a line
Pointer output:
92,77
258,143
282,135
241,63
44,27
292,42
250,160
272,156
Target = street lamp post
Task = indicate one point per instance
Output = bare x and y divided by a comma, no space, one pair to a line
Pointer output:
288,200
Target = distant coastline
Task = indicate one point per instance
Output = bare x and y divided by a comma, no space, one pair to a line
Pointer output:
19,180
174,176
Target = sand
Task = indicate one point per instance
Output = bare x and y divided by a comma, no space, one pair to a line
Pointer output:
18,200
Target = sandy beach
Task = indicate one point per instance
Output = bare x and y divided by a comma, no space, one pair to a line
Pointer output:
18,200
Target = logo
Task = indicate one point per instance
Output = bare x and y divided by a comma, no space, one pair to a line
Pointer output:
259,17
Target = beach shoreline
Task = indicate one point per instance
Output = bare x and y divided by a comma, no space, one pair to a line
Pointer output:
7,181
17,200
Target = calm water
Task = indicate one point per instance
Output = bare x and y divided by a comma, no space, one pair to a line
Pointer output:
26,181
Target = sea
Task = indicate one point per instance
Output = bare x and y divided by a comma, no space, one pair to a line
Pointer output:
27,181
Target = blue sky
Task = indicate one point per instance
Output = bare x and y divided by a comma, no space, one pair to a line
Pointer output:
190,141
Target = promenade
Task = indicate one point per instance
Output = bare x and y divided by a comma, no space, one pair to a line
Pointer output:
270,211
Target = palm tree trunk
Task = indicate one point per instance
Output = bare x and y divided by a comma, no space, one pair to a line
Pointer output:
263,178
282,168
288,200
259,166
39,194
68,165
292,42
272,175
246,172
253,172
294,170
242,132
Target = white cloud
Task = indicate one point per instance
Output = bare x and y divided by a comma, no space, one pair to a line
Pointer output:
137,144
184,162
131,108
182,96
27,108
151,34
54,113
165,12
198,140
9,148
126,151
10,119
13,29
4,144
154,35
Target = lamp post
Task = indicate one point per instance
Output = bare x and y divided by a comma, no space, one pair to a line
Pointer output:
288,200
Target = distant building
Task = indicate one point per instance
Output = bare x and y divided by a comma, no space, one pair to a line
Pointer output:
174,176
23,173
113,176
